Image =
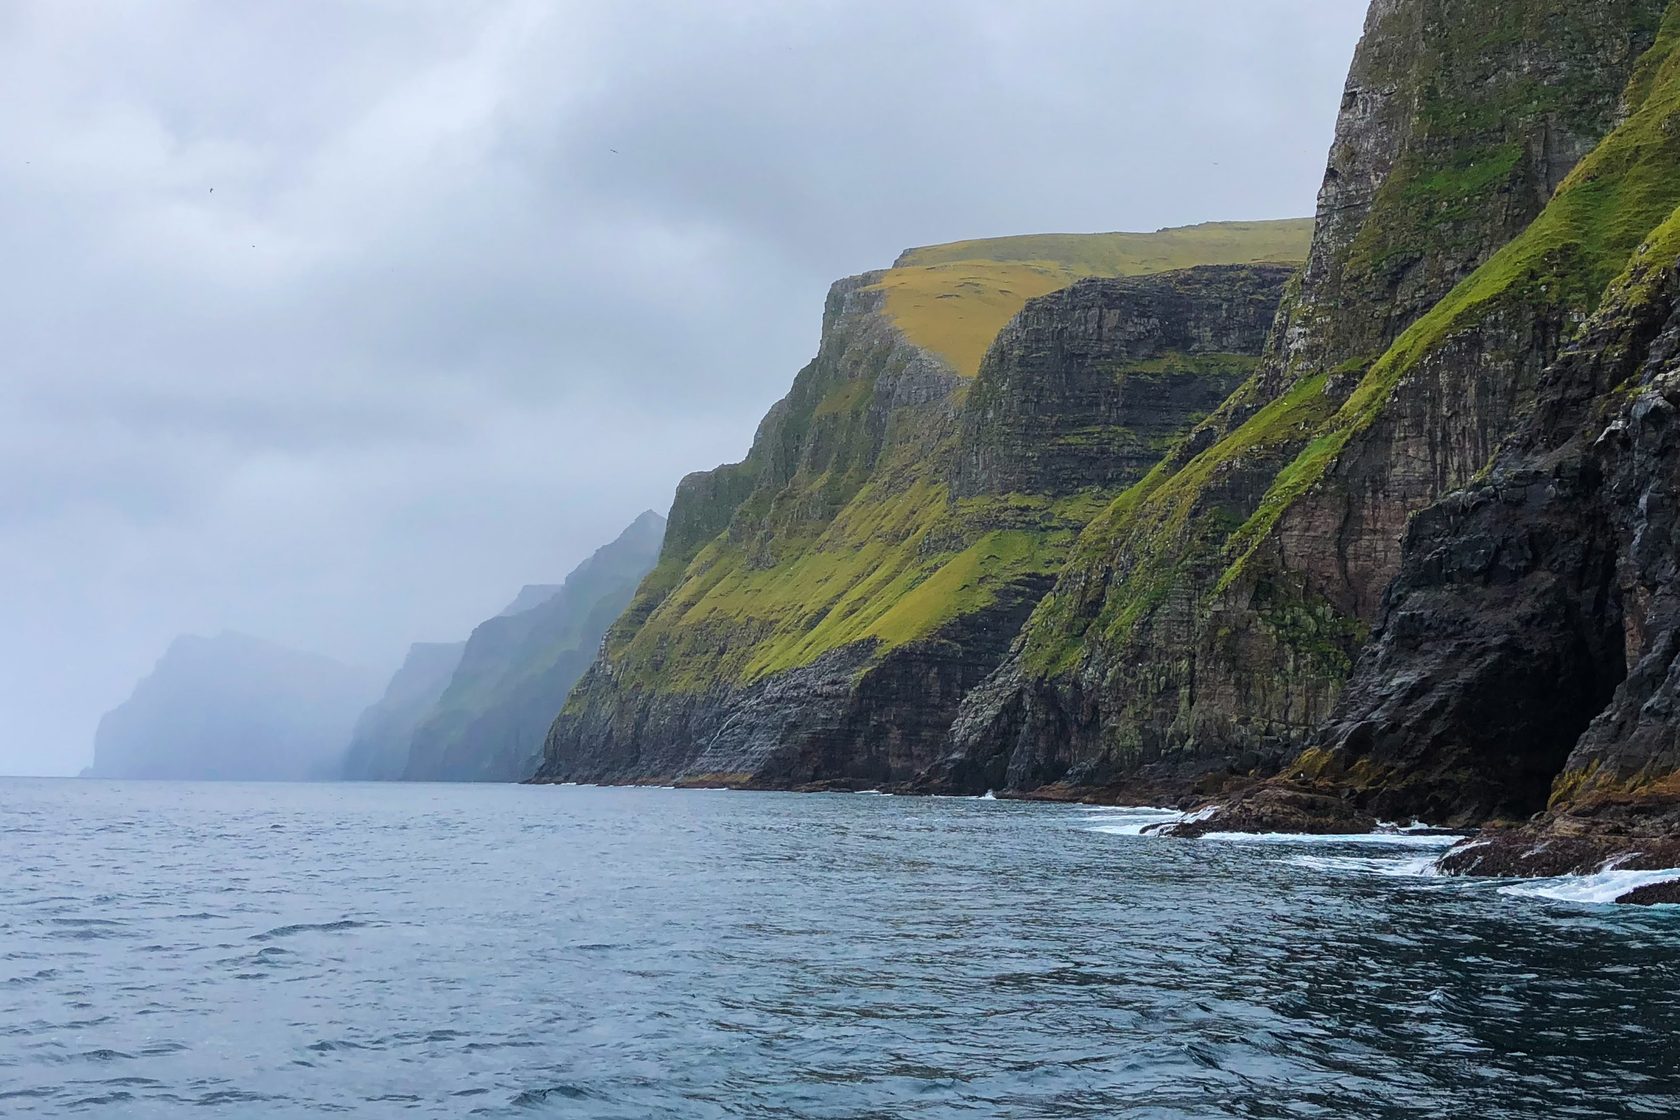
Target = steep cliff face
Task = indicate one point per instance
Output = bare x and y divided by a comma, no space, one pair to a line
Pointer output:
1089,387
378,750
893,525
488,722
1528,655
233,707
1209,618
1508,630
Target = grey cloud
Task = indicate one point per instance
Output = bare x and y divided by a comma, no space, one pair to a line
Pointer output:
336,321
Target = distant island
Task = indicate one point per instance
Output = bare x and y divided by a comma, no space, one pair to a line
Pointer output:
233,707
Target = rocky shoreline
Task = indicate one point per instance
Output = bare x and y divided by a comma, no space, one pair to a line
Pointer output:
1394,535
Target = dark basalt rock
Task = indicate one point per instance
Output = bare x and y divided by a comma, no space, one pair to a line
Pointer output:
1629,832
1090,386
1079,395
1529,654
1204,633
1653,894
1277,809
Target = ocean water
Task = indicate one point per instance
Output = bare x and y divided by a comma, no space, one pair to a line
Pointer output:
174,949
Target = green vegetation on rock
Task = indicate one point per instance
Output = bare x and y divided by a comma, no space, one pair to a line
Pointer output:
953,299
892,511
1556,269
1208,618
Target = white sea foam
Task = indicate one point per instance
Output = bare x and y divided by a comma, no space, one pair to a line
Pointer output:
1388,839
1597,889
1127,828
1145,820
1117,820
1129,810
1404,867
1415,826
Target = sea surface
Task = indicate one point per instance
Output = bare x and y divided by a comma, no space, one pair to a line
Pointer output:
177,949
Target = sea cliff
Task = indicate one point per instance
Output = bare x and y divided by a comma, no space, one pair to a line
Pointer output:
823,607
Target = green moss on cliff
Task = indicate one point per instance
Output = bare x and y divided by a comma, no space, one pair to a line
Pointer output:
1557,269
1177,364
850,536
895,565
1133,254
1167,520
1170,547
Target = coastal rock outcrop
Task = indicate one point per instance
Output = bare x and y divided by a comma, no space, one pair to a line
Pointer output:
1207,622
892,527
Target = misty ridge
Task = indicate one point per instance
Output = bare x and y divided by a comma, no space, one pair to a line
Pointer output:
911,560
232,707
344,367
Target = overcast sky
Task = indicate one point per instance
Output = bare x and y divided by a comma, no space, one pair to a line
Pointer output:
335,322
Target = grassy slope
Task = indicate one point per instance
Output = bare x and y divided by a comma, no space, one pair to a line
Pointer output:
953,299
1564,261
899,560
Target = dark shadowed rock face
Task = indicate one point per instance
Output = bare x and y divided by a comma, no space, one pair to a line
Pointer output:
1530,650
1272,808
379,745
1206,624
233,707
1654,894
1090,386
1526,661
1076,398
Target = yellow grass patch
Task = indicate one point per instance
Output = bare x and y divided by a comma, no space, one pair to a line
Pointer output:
953,299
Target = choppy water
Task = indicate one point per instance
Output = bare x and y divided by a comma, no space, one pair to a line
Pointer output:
227,950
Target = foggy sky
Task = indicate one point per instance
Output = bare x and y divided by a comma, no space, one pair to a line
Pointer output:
335,322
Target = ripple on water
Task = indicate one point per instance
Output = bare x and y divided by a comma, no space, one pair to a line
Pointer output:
308,927
599,954
533,1097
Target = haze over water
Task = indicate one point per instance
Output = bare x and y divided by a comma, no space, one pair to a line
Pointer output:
434,950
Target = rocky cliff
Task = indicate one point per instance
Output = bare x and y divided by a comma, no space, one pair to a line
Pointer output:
1526,659
487,719
823,606
233,707
1420,561
1209,618
379,745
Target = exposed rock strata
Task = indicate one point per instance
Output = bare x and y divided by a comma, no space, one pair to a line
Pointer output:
860,578
1207,623
1529,659
943,505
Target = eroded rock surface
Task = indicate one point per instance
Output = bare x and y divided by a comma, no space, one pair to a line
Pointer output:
891,530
